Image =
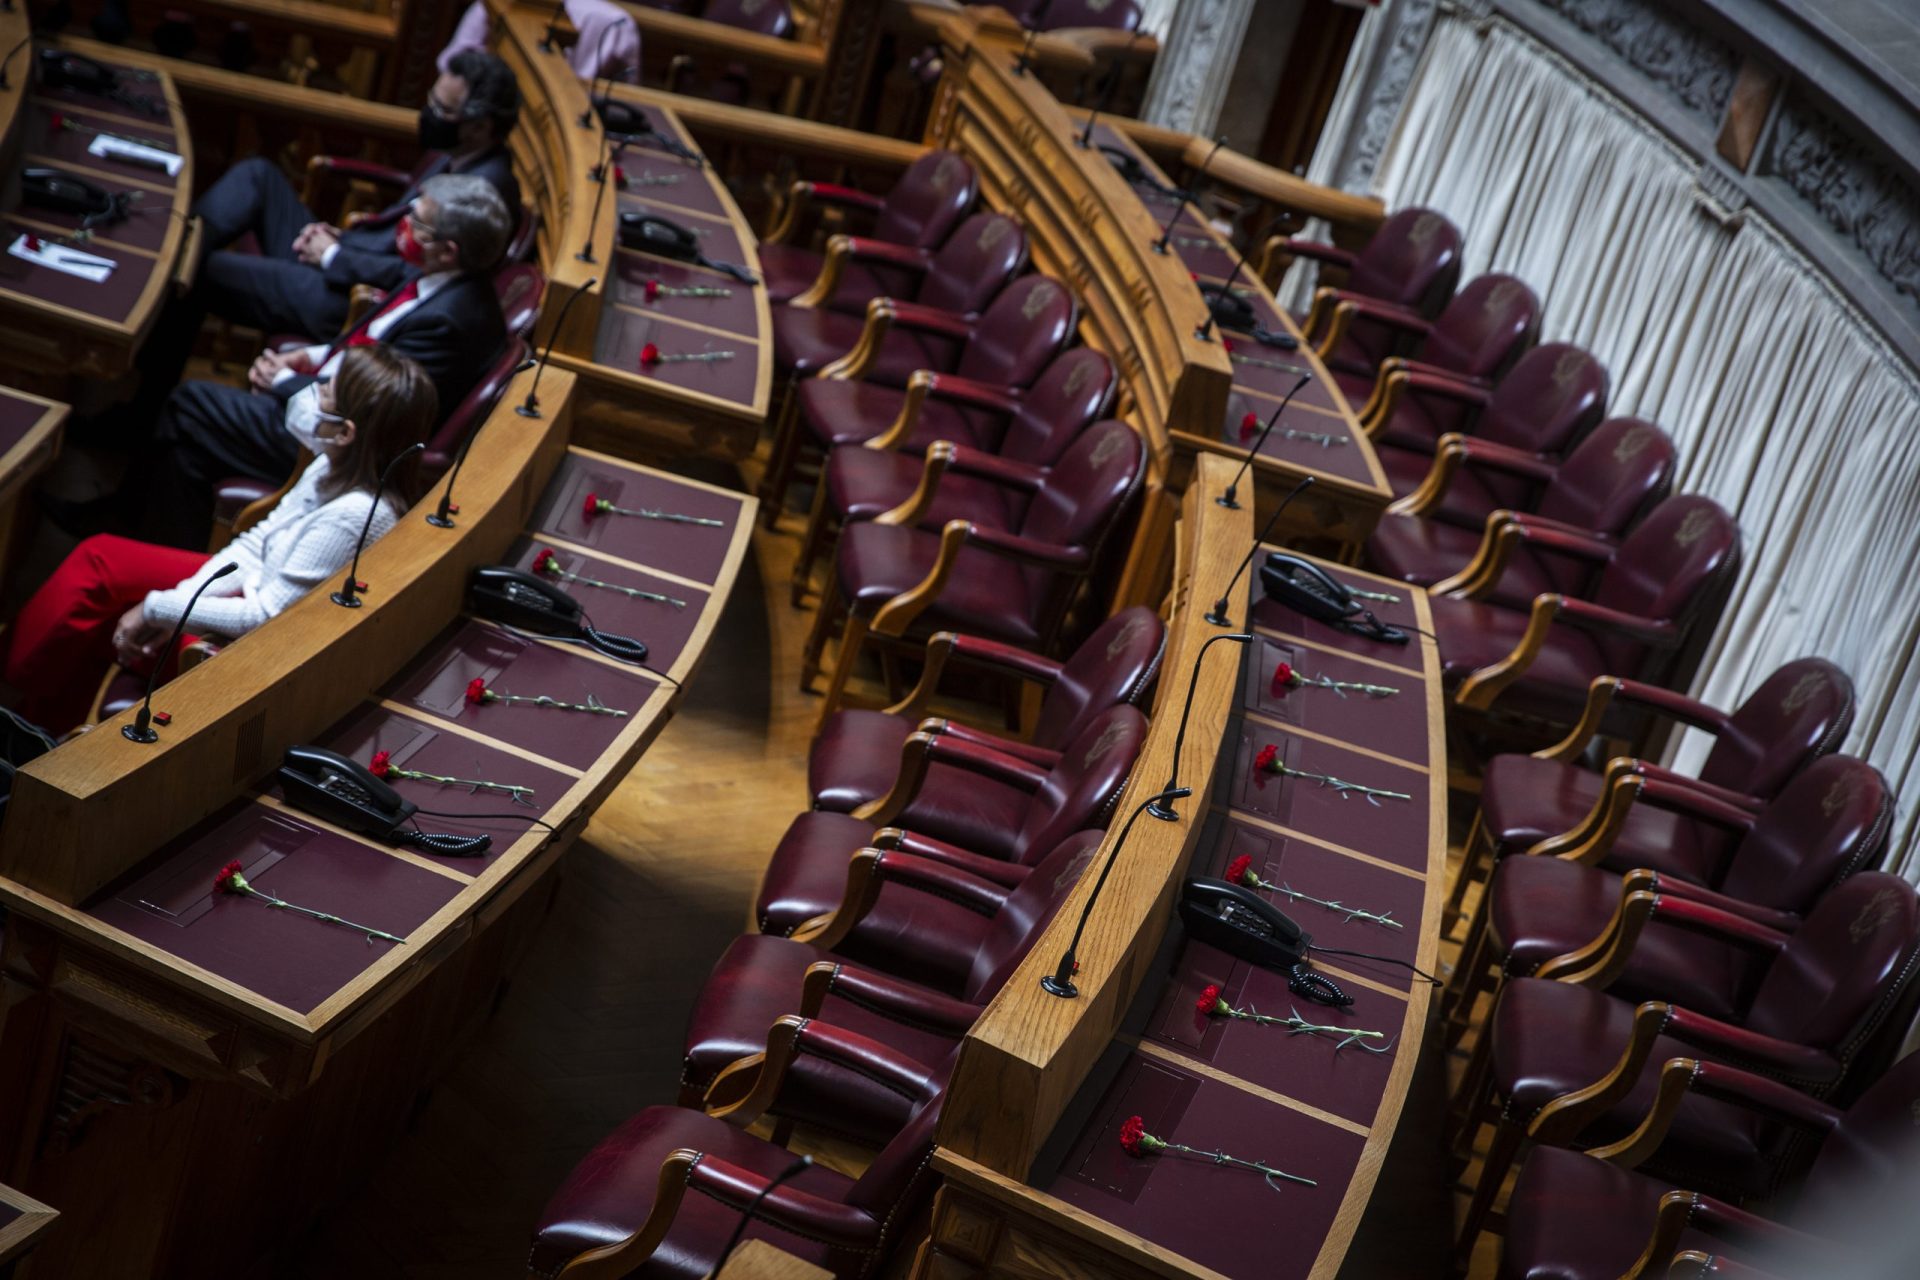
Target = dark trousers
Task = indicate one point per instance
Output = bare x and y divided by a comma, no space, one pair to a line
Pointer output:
207,432
272,290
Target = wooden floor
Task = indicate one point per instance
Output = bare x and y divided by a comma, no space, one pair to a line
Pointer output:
590,1031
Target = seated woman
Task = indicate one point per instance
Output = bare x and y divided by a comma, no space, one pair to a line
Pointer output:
115,598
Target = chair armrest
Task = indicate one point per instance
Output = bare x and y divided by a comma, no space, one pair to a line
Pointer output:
871,870
844,249
1506,532
1676,706
907,1003
801,1212
1599,962
1347,307
979,651
943,456
622,1256
947,324
1451,452
319,167
1594,837
1478,691
1039,757
945,386
1005,472
1692,1264
1595,617
1770,917
896,615
1680,1076
1796,1062
801,196
1399,380
791,1043
1317,250
923,749
1010,874
1752,804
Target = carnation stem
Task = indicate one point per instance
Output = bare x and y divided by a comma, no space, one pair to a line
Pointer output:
1352,913
592,704
517,793
647,513
1221,1157
632,592
1340,785
284,905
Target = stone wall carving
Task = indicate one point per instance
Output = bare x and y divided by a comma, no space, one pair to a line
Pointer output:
1195,65
1390,77
1694,68
1852,188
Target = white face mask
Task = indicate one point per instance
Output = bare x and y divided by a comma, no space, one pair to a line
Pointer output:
304,421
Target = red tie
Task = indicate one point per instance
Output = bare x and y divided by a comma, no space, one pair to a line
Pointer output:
362,336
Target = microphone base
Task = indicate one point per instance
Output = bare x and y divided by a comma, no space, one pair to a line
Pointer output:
531,409
1218,617
1204,332
439,521
1084,141
585,255
1063,988
1159,247
1227,500
345,601
133,733
1164,812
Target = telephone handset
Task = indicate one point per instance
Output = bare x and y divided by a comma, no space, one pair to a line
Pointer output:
331,787
522,600
1133,172
1311,592
45,187
62,69
1234,919
627,121
650,234
1231,311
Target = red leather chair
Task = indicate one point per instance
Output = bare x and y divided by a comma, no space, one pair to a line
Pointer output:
1609,480
526,236
856,757
1653,590
519,287
1552,397
961,278
807,876
1571,916
625,1211
896,581
1412,260
977,933
1592,1217
1484,328
1569,1063
866,483
444,444
921,210
1008,345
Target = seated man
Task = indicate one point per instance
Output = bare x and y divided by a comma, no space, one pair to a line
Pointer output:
444,316
301,279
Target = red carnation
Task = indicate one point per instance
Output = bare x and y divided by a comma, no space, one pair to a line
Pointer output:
378,766
1210,1002
1285,678
592,507
1238,868
1249,423
477,691
1268,760
1132,1136
652,290
1226,345
649,354
33,243
619,176
56,122
230,880
543,563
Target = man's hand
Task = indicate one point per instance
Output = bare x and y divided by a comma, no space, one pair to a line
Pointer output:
136,641
311,245
267,367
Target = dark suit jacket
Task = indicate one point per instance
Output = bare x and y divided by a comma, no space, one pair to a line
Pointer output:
454,335
367,253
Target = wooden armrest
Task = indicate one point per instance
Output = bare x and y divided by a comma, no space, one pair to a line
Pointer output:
1350,306
1680,1076
916,505
1601,961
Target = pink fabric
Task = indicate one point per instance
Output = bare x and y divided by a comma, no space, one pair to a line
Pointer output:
595,54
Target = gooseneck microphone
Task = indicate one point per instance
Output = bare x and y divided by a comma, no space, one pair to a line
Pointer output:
606,153
553,26
345,596
793,1170
1060,981
442,518
1205,331
1229,499
8,60
530,407
1166,812
1218,614
141,730
1024,63
599,66
1186,196
1084,139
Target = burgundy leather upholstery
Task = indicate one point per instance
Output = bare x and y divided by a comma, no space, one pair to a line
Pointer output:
856,756
519,288
1477,337
963,276
1412,260
1007,346
526,236
1573,1217
1823,994
1796,715
1609,480
1077,387
1828,823
920,1014
1011,586
472,410
845,1225
1668,574
921,210
807,874
1552,397
1043,15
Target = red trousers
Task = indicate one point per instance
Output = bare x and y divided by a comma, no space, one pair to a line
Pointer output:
62,643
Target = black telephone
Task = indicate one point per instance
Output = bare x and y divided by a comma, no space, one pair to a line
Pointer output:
1311,592
60,69
1234,919
649,233
1134,173
516,598
1231,311
624,120
329,786
43,187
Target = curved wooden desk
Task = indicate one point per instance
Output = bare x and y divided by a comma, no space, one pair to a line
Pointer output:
30,432
253,1059
1036,1182
57,329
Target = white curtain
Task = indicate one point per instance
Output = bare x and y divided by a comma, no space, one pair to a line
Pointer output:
1786,407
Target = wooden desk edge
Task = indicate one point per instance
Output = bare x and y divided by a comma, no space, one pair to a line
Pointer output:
24,1231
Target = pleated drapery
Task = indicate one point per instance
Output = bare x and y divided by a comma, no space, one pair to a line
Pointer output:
1786,406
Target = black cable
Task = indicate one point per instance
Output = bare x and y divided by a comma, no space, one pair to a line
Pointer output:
480,817
1361,955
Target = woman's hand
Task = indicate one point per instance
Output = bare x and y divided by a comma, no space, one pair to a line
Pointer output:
135,640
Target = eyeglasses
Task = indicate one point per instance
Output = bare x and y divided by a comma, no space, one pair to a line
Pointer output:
444,112
421,226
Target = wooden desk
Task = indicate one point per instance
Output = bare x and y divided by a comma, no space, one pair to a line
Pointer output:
30,432
1036,1182
222,1053
57,330
23,1222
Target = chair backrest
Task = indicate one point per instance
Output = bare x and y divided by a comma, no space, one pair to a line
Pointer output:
525,235
1673,568
1081,790
1549,400
1484,328
1114,15
1796,715
1117,663
1611,478
893,1190
1839,973
1077,388
1873,1150
764,17
1079,504
471,411
1412,259
1027,911
975,263
1026,327
519,288
1828,823
928,202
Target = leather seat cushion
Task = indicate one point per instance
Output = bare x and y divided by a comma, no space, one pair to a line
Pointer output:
855,758
987,594
1467,501
807,339
1524,801
789,270
864,483
1545,907
838,412
1474,634
1573,1217
908,933
1551,1038
609,1193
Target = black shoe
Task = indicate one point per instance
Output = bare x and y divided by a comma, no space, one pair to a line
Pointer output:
109,513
